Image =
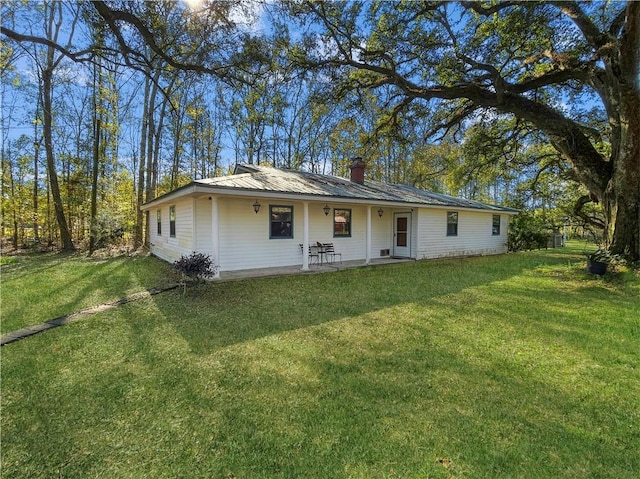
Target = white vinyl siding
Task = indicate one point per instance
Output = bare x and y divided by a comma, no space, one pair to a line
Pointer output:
474,234
172,248
245,243
204,227
381,232
244,237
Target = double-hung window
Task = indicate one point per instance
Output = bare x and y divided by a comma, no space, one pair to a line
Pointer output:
281,218
341,223
452,223
159,221
172,221
495,228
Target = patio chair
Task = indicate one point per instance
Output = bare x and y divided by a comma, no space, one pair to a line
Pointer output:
313,253
330,252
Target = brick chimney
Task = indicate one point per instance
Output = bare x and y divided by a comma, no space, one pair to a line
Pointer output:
357,170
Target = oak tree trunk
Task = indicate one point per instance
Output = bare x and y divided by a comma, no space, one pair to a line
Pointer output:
625,182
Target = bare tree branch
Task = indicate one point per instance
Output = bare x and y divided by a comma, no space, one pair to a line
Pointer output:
79,56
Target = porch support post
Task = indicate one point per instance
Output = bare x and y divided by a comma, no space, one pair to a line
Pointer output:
194,226
368,257
215,235
305,237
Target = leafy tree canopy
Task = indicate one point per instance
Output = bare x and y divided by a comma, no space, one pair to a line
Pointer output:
565,69
552,86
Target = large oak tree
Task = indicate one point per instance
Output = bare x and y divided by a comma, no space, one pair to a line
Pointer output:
568,69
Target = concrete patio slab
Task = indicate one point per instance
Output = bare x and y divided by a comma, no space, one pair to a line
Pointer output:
297,270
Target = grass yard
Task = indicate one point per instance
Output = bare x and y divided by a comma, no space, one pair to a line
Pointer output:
520,366
40,287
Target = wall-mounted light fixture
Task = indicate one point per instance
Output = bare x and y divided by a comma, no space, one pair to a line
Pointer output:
380,211
326,210
256,207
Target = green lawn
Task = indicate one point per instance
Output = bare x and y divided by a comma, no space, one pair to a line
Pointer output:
40,287
519,366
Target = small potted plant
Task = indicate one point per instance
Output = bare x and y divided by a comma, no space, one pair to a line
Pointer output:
598,261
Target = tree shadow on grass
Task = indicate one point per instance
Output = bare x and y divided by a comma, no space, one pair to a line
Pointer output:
35,263
374,372
218,315
533,396
49,286
378,396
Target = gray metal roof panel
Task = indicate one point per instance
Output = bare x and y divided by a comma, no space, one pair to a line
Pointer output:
260,178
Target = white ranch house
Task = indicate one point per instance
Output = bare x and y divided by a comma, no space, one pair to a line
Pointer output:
260,216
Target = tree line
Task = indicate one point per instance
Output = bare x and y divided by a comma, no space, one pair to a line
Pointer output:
108,104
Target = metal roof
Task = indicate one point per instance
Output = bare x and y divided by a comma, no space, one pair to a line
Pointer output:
253,178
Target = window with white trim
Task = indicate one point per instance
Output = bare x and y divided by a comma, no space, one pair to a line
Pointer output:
172,221
281,222
495,228
341,223
452,223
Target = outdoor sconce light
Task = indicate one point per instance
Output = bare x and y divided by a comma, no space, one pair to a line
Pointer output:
256,207
326,210
380,211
